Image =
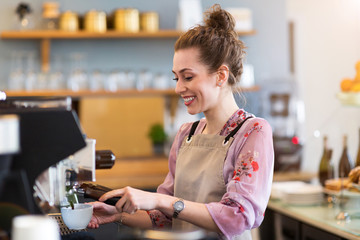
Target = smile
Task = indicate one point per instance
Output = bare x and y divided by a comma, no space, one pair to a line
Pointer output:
188,100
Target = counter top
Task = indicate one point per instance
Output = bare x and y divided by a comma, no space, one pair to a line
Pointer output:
322,217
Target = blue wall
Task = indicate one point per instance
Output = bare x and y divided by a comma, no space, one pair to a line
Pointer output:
267,50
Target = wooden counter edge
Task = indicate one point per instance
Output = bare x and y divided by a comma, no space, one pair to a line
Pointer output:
294,176
279,209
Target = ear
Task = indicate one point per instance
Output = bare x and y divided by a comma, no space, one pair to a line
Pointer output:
222,75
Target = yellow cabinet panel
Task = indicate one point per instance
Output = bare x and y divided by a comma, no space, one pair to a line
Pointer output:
121,124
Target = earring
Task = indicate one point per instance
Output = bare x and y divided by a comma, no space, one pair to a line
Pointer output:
219,84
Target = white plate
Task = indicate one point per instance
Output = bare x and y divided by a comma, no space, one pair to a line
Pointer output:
346,193
357,186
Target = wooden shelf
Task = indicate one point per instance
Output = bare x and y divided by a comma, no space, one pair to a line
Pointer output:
171,96
58,34
88,93
45,36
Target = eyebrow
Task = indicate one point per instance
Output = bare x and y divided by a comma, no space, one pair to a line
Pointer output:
182,70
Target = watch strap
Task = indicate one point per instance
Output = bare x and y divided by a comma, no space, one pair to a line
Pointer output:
175,214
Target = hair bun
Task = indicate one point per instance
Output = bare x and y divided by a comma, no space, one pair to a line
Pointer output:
218,18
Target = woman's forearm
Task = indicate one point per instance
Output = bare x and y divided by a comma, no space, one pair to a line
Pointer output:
195,213
140,219
198,214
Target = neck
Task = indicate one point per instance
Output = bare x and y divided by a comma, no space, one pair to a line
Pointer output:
219,115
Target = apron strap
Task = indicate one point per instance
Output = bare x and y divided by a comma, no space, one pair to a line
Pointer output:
233,132
192,130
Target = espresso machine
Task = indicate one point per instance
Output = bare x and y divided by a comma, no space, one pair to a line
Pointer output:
44,156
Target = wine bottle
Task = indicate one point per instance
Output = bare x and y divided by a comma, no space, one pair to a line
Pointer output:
357,163
323,163
345,163
325,167
330,166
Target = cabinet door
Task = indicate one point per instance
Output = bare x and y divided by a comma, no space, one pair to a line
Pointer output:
290,228
122,124
312,233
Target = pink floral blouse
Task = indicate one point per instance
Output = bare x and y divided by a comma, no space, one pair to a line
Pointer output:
248,172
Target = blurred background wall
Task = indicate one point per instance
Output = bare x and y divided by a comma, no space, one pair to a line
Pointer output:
325,48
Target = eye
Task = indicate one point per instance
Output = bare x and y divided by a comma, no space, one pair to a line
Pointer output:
176,79
188,78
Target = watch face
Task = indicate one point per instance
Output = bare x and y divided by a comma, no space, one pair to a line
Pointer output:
179,205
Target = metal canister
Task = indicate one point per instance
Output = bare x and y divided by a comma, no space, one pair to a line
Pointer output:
127,20
69,21
95,21
149,21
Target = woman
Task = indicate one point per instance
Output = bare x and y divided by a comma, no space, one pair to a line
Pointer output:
220,168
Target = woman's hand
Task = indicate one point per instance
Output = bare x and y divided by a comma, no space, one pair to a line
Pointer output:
132,199
102,213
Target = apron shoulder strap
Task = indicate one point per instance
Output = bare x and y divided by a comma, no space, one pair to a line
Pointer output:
233,132
192,130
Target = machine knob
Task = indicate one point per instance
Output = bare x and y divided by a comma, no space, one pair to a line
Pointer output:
104,159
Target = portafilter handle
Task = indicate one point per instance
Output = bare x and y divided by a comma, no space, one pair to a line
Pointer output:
95,191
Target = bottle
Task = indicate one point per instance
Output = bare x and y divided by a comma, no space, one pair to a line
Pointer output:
325,167
357,163
330,166
345,163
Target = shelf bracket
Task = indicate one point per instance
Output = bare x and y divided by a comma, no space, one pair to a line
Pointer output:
45,55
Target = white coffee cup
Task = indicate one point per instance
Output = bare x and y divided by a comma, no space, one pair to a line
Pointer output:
34,227
77,218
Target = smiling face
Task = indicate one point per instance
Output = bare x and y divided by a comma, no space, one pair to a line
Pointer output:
196,86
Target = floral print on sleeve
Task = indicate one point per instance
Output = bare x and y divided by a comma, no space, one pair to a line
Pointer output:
256,127
232,203
159,220
248,165
234,121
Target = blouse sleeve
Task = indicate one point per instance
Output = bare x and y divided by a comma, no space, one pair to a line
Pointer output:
249,177
158,219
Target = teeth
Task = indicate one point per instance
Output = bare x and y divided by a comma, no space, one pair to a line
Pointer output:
188,99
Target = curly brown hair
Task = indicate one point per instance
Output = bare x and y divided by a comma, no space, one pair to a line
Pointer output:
217,42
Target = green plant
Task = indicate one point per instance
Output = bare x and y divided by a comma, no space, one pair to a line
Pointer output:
157,133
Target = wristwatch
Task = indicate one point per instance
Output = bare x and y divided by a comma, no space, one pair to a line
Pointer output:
178,206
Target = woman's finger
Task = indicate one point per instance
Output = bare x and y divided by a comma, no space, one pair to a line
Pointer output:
111,194
96,205
120,204
127,207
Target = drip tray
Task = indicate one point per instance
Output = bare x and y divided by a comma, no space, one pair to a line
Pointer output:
64,230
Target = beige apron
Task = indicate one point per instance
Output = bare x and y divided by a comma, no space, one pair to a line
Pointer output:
199,171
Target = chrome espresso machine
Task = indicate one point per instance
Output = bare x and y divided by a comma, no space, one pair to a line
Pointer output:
44,156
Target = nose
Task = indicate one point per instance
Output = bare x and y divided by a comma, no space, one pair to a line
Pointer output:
179,87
